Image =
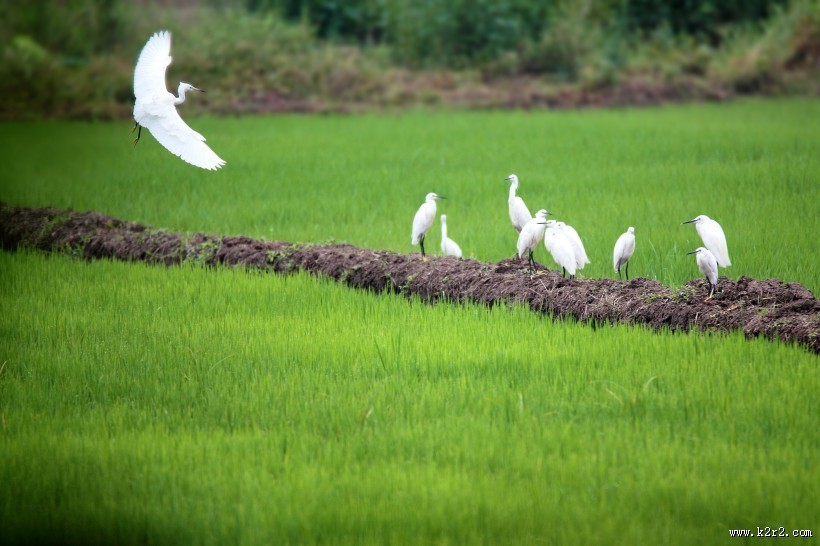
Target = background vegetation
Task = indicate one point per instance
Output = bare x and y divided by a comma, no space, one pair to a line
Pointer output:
76,58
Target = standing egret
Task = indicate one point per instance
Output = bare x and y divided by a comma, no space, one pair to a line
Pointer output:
519,213
155,108
708,265
531,235
713,238
624,247
560,247
424,219
581,258
448,246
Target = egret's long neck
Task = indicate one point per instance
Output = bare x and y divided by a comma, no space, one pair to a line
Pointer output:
444,230
513,189
181,91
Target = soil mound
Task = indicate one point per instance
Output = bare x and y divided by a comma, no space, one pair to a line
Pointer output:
770,308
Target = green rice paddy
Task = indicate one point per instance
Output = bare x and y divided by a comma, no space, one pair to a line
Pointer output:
191,406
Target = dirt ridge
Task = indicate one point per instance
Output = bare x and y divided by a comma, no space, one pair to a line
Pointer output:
769,308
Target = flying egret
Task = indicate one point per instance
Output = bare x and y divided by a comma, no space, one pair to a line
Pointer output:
560,247
624,247
519,213
448,246
155,108
708,265
531,235
581,258
713,238
424,219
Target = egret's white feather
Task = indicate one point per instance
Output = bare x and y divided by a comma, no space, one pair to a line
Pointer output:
532,233
448,246
155,108
560,247
581,258
708,265
424,217
519,213
624,248
714,240
530,236
149,75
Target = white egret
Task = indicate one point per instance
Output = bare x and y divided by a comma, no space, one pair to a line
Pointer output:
155,108
708,265
713,238
560,247
531,235
624,247
424,219
581,258
519,213
448,246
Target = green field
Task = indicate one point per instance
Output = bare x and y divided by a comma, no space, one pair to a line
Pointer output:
187,406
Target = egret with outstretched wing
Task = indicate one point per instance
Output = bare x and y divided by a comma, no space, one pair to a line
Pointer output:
155,108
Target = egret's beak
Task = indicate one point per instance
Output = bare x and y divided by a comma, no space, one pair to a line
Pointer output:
549,213
689,221
440,197
693,252
507,179
197,89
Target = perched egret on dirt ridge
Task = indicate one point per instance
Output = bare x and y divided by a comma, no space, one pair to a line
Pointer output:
624,247
155,108
519,213
531,235
448,246
560,247
708,265
713,238
581,258
424,219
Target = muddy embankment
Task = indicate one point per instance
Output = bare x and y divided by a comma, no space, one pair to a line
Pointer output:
770,308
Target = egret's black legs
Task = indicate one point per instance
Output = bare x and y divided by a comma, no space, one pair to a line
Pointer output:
627,270
139,133
421,242
564,272
711,288
619,273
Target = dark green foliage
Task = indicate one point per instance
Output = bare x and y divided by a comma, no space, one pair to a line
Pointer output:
466,32
364,21
75,28
462,32
696,17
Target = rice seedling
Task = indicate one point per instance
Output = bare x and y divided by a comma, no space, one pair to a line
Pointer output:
142,404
